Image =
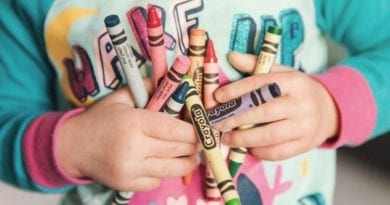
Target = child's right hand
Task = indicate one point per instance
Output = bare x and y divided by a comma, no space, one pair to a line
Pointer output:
125,148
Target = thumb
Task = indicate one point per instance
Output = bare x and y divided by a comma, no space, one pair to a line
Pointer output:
247,62
242,62
123,95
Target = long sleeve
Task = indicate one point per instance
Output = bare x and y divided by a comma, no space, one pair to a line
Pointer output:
27,90
360,82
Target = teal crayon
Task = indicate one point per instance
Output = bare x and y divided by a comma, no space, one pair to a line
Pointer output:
176,102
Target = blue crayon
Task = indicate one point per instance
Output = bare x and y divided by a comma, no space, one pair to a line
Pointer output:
176,102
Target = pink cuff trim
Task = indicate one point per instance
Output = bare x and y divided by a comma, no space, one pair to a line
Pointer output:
355,102
39,151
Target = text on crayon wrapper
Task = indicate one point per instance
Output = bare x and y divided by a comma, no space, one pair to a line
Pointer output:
203,127
224,109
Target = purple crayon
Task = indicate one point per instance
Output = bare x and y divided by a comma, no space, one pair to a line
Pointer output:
244,103
157,46
169,83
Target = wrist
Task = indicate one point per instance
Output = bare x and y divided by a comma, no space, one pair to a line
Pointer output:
65,147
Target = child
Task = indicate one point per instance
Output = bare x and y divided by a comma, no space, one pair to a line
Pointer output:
56,55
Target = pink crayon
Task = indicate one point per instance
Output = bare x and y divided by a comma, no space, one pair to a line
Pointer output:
169,83
210,84
157,46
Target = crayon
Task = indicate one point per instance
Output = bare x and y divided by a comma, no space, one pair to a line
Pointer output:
210,84
210,147
127,60
268,51
157,46
264,64
169,83
122,198
196,52
134,79
255,98
176,101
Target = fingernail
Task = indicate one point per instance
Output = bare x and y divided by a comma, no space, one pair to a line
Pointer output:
229,56
218,95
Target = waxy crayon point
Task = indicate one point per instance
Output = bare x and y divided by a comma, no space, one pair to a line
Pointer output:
198,32
275,30
180,94
233,167
153,18
111,20
210,53
233,202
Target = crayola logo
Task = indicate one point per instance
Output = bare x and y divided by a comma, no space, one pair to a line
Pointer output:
224,109
198,78
203,127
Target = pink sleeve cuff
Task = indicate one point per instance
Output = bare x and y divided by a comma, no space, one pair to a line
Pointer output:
39,151
355,102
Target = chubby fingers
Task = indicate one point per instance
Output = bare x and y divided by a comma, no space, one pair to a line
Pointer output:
280,151
170,167
164,127
171,149
246,63
277,109
263,136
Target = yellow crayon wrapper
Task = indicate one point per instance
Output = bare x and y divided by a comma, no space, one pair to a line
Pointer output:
210,145
268,53
196,53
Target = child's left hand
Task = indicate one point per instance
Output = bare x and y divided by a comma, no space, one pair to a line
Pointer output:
304,117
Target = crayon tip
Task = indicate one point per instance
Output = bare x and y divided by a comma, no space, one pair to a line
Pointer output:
182,64
233,167
198,32
275,30
180,94
153,18
187,179
186,77
235,201
111,20
210,53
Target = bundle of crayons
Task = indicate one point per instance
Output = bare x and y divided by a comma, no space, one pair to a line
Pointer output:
186,82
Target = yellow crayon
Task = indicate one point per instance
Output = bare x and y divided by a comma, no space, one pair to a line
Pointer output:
210,146
268,51
196,53
264,64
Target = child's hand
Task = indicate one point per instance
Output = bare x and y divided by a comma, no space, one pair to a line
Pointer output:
126,148
300,120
